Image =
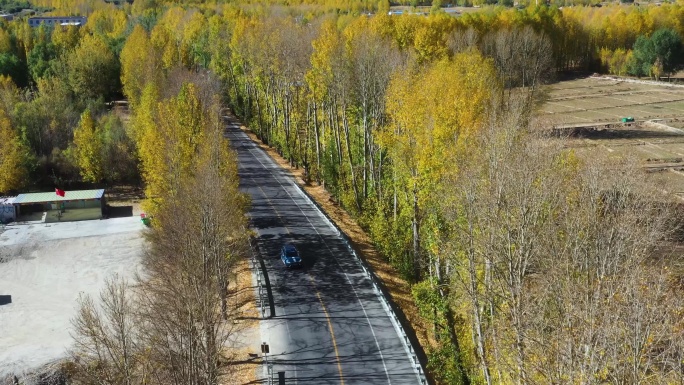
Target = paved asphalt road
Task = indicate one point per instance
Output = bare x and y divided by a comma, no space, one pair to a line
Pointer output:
330,326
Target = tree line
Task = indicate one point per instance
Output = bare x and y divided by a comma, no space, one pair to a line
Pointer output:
55,88
171,325
397,117
423,131
529,265
58,73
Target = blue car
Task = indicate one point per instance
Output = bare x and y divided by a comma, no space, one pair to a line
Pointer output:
290,256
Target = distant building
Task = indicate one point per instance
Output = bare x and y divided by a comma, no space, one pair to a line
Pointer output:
51,21
7,17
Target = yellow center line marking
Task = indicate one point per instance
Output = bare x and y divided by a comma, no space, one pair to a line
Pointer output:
318,295
330,327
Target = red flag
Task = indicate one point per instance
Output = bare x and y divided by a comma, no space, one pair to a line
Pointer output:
59,192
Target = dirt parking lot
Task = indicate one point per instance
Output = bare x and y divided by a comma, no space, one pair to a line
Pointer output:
43,269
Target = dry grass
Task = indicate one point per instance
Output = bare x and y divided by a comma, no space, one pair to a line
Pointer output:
398,289
238,369
241,365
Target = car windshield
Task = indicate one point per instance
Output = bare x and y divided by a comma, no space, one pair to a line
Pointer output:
291,252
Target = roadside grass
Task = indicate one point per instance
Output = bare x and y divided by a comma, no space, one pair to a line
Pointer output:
241,363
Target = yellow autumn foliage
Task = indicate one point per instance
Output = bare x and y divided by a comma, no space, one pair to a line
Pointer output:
435,113
13,154
88,149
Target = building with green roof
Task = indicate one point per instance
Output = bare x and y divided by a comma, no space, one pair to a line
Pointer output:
73,205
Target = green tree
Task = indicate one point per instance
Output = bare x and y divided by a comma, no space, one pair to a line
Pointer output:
659,54
118,150
642,57
40,60
10,65
93,69
667,45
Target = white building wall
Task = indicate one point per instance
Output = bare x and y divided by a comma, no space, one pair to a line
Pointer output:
7,211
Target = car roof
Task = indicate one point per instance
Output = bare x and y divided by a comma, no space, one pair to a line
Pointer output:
289,247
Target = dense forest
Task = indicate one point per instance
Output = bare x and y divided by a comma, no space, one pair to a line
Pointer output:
529,265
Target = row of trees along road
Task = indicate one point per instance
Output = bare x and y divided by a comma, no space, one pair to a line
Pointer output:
171,326
528,265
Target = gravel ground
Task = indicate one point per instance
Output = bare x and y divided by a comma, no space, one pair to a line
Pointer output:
44,267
